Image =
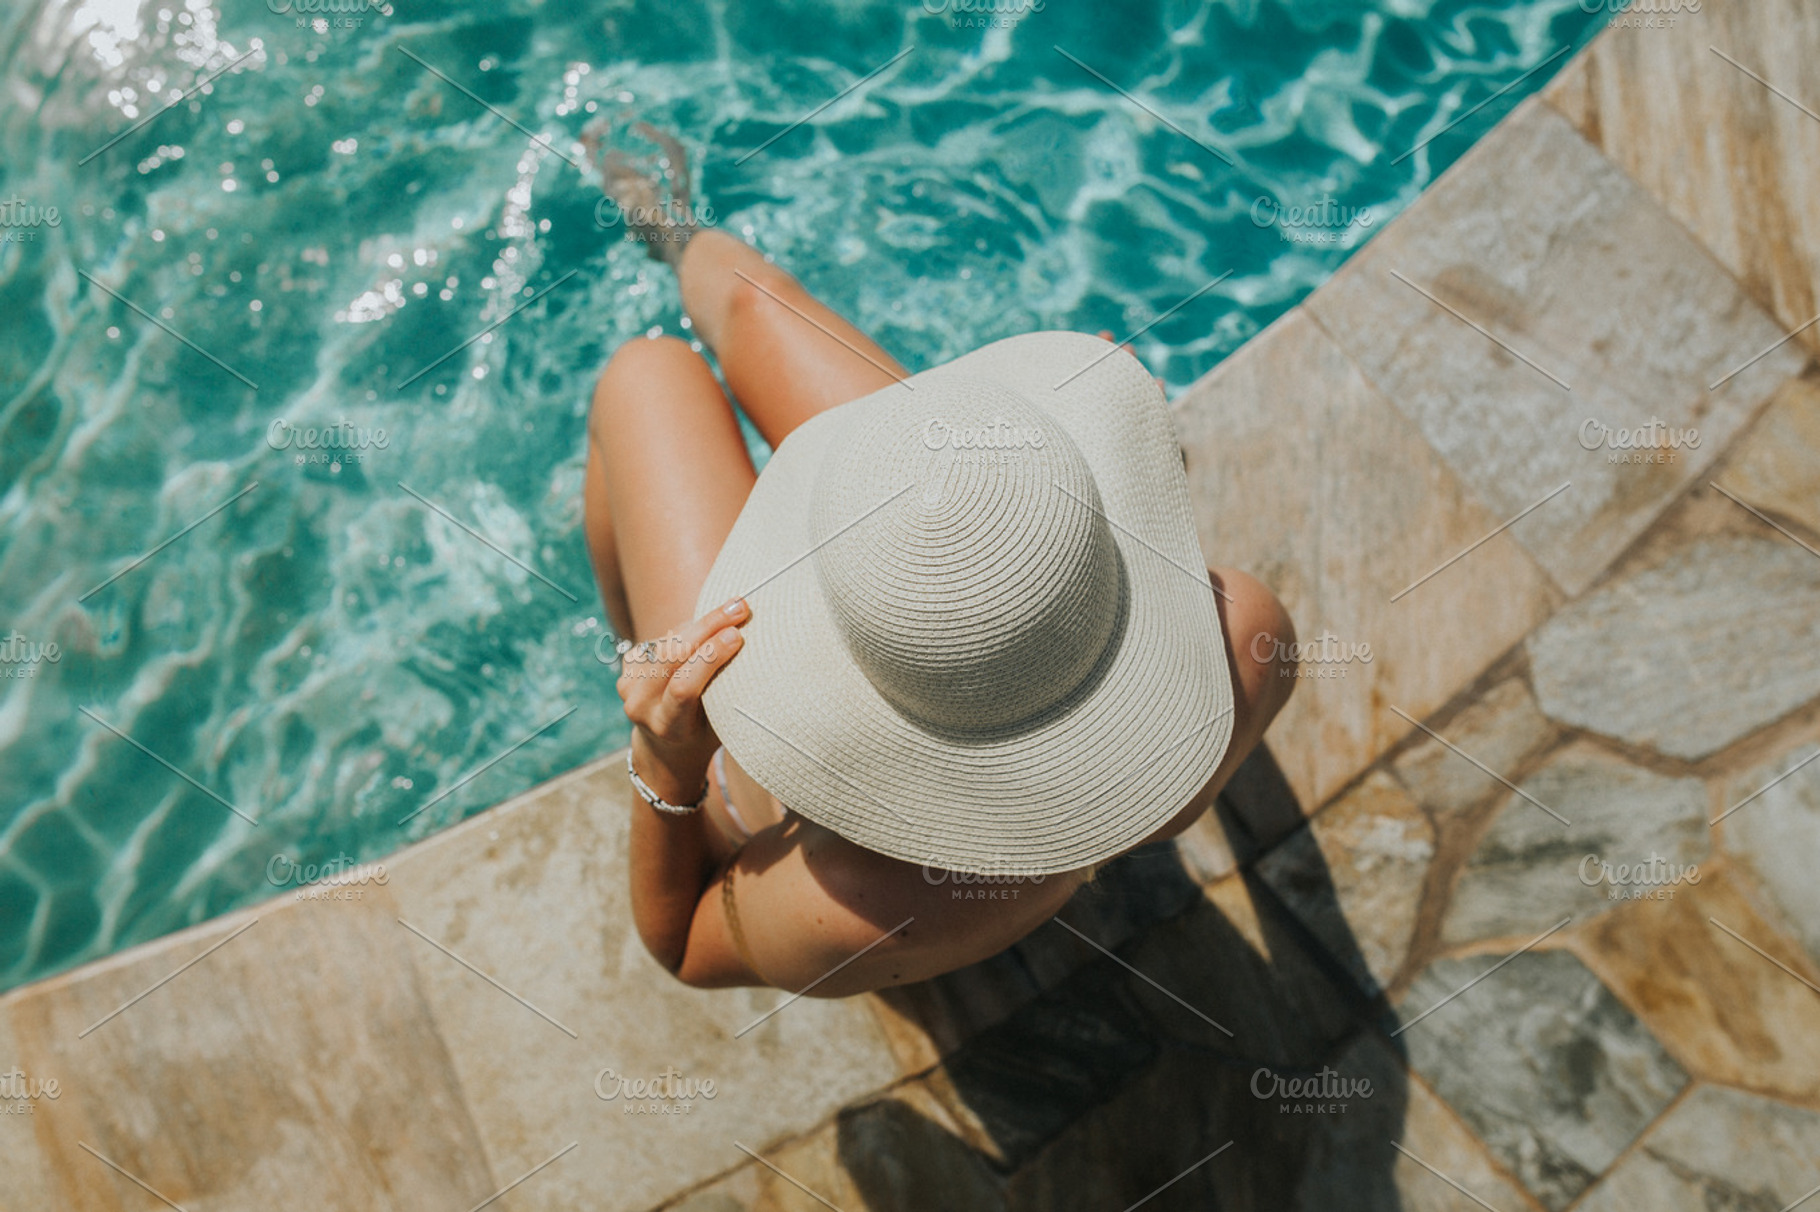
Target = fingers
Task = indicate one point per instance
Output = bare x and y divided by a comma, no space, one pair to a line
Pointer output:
660,658
686,684
732,613
712,640
695,639
1106,335
662,680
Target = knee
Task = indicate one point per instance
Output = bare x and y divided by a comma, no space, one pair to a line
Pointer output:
1261,635
641,357
763,293
636,361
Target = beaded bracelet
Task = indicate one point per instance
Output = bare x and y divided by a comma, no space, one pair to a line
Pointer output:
657,801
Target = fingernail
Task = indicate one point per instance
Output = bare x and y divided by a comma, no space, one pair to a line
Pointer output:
729,636
736,607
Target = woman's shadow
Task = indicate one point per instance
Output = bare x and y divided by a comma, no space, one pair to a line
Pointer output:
1175,1037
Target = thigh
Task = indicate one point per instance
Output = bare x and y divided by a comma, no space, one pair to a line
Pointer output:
667,475
786,354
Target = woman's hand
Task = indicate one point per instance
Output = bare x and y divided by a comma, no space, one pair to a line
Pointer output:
661,682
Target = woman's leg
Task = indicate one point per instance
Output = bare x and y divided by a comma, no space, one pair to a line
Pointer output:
786,356
667,475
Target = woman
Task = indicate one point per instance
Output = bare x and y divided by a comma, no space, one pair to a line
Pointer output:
1091,700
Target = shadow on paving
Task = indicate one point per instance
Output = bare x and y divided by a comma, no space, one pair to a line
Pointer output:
1085,1085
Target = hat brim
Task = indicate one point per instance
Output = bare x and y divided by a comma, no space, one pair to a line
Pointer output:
1089,779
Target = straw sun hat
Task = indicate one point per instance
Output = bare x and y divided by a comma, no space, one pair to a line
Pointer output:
982,633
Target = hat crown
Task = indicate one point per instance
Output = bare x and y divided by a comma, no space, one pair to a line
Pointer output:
987,591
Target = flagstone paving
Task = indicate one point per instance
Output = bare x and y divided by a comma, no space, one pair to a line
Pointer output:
1355,875
1776,837
1719,1149
1380,975
1492,739
1723,1011
1602,314
1712,110
1580,836
1777,469
1544,1064
1346,1165
1672,643
1342,541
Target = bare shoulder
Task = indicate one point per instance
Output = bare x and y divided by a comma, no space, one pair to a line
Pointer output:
1248,607
818,902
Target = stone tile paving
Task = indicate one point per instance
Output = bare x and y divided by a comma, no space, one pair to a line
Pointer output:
1341,539
1355,876
30,1181
1776,468
1344,1164
1100,1091
1720,1149
1776,837
1235,959
1627,833
1028,1078
270,1070
1689,108
537,1086
1491,739
1724,1012
1541,1061
1693,653
1602,314
887,1154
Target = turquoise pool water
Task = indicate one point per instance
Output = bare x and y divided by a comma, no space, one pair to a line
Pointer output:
228,651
